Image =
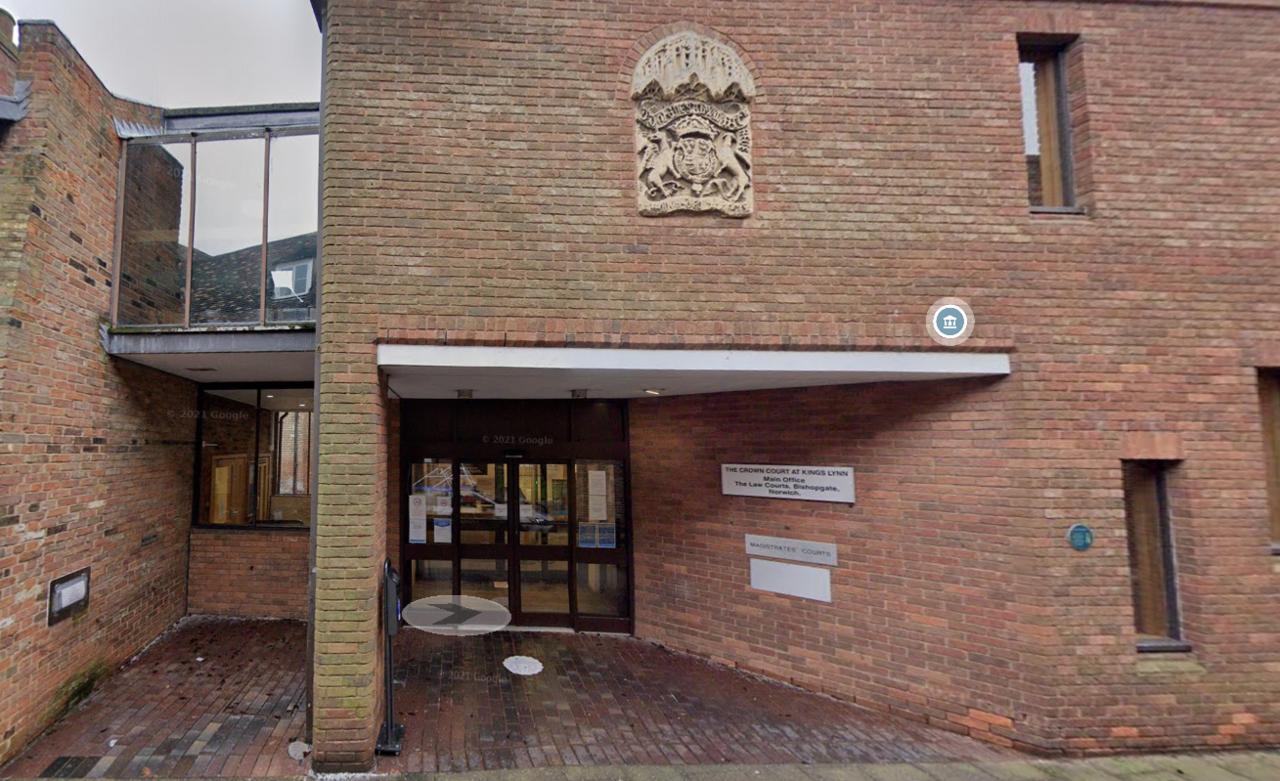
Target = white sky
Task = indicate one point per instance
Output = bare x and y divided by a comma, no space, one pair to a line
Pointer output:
179,53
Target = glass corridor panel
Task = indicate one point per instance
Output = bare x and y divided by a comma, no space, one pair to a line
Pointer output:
154,235
291,229
226,264
193,218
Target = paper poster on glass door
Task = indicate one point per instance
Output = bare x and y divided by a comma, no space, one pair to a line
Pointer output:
597,495
417,518
606,535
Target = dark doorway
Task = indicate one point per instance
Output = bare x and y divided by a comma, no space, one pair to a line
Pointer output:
521,502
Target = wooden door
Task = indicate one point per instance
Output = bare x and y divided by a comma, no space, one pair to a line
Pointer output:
230,496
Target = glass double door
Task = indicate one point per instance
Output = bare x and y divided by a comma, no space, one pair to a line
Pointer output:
513,538
548,540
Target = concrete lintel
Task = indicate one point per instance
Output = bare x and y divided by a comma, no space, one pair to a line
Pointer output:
132,344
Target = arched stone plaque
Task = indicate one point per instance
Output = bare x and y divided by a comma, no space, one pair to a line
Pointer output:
693,128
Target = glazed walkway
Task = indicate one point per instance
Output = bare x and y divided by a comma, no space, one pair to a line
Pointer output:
225,698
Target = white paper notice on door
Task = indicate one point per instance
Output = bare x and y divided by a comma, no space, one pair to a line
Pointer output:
442,530
417,518
597,495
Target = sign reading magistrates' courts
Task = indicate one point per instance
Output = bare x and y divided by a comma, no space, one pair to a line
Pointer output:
810,483
795,550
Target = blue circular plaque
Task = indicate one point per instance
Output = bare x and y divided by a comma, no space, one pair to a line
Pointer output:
1080,537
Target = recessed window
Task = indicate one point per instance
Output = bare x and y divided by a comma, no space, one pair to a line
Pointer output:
1269,396
1046,125
293,448
291,280
1151,560
254,456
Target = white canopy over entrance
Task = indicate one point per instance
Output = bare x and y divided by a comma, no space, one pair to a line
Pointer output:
440,372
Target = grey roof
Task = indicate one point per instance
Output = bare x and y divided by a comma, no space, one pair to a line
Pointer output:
14,107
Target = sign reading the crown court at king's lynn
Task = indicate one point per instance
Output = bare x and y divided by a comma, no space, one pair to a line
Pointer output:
809,483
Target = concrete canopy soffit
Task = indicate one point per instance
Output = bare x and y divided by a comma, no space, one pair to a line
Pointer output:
693,128
441,371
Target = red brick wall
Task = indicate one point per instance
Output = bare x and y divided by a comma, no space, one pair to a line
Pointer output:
95,454
257,573
934,611
889,173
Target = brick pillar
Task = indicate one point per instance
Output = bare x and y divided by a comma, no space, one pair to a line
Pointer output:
350,548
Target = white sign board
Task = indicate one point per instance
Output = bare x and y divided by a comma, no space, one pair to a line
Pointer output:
794,580
795,550
810,483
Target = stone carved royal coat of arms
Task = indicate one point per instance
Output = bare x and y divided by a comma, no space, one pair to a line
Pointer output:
693,128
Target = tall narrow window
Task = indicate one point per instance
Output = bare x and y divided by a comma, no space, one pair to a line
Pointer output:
1269,395
1046,126
293,435
1151,563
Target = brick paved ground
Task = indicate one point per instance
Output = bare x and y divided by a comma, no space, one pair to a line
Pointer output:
599,700
1238,766
617,701
169,714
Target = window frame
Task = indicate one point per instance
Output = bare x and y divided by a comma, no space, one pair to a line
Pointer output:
198,456
193,138
1269,413
304,462
1052,50
1151,477
308,264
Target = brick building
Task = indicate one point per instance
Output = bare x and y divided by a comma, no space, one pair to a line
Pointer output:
585,263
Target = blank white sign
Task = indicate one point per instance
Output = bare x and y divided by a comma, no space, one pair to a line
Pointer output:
794,580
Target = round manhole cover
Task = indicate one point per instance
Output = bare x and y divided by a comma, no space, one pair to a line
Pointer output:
456,615
522,665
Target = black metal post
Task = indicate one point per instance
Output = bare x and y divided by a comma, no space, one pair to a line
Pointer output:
391,737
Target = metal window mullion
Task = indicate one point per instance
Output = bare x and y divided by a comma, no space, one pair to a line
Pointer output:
257,454
296,419
1173,614
191,239
118,250
266,200
1066,145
